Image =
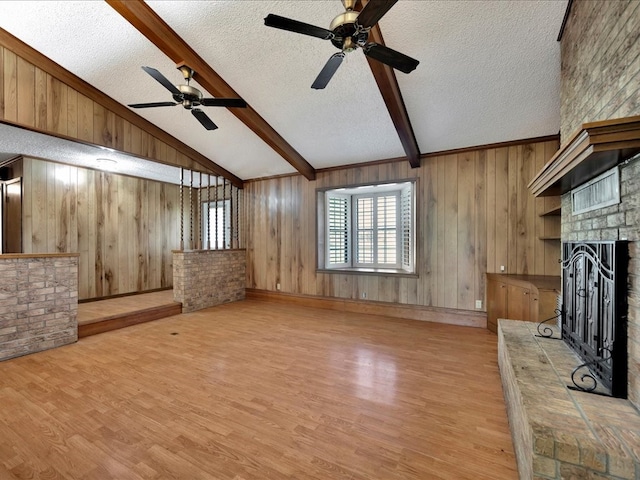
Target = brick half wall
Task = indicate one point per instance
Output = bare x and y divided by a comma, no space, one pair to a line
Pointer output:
38,303
204,278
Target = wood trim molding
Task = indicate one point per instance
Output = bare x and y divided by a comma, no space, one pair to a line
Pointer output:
156,30
390,90
396,310
9,161
565,19
13,256
510,143
115,322
44,63
592,150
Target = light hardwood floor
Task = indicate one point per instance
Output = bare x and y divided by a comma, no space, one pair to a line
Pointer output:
258,390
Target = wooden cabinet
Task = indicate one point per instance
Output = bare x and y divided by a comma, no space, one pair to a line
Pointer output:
531,298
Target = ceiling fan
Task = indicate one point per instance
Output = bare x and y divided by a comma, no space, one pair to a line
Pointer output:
189,97
348,31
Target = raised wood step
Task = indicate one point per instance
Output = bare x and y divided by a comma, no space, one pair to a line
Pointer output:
112,314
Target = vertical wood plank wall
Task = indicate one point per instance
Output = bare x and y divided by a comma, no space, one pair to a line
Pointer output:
124,228
474,214
33,98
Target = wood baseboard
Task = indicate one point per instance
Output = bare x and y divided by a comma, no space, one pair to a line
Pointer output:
449,316
128,319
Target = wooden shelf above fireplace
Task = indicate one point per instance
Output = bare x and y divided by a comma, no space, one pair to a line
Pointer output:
592,150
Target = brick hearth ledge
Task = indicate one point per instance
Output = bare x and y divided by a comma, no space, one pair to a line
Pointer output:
560,433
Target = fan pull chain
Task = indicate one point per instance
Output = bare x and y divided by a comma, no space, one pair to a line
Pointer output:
181,209
208,247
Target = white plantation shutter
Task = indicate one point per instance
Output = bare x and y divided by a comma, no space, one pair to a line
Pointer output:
338,210
387,216
406,229
365,246
376,230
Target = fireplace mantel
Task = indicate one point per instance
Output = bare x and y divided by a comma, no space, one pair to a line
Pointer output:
592,150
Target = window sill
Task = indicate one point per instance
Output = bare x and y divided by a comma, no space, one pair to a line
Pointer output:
369,271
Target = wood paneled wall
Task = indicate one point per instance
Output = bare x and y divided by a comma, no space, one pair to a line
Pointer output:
474,214
124,228
31,97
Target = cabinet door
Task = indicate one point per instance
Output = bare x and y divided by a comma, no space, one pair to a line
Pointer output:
534,307
496,304
518,302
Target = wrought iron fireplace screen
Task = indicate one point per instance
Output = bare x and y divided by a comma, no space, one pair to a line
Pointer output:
594,320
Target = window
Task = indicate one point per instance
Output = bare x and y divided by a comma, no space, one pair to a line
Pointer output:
367,228
219,222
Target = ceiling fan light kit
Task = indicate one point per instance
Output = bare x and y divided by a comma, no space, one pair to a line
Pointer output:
348,31
189,97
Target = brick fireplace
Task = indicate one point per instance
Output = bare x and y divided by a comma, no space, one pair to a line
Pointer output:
559,433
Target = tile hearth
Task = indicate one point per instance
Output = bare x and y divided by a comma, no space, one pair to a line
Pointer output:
560,433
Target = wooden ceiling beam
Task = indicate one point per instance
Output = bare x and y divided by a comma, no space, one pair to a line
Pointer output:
388,85
156,30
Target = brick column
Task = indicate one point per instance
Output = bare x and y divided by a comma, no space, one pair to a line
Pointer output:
204,278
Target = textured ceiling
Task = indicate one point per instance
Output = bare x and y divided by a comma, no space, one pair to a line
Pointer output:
489,72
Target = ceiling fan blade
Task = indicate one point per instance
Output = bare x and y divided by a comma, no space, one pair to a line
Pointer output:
373,11
154,104
224,102
203,119
290,25
328,70
162,80
390,57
